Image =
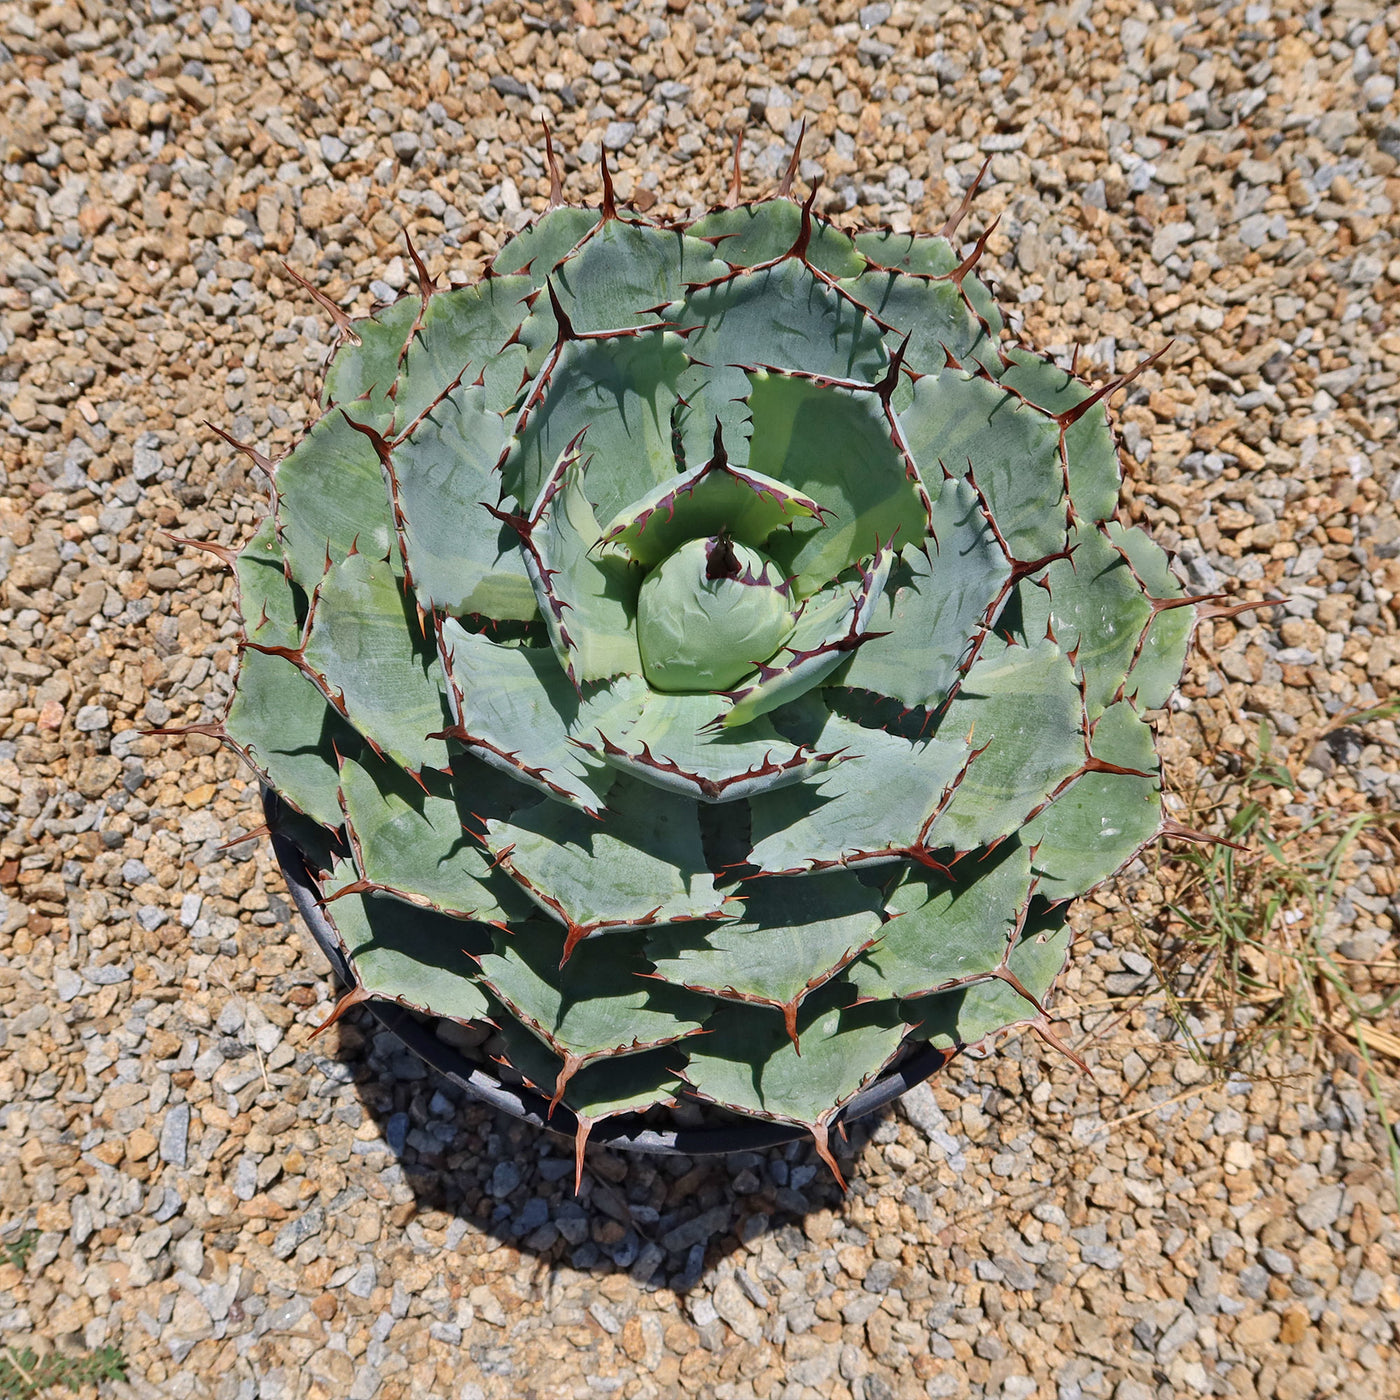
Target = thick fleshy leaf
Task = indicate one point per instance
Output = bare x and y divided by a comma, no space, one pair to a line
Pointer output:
622,390
462,559
968,1015
332,498
929,310
932,256
1090,452
286,729
1157,670
642,863
749,234
515,708
277,719
831,625
709,613
273,609
463,339
537,249
670,745
781,315
321,846
588,597
601,1088
749,1063
1021,708
415,844
935,602
794,936
360,377
365,650
850,815
601,1002
947,927
716,496
625,270
835,446
965,422
928,256
1095,610
416,957
1098,823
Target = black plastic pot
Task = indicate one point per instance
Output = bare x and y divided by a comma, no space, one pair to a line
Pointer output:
624,1133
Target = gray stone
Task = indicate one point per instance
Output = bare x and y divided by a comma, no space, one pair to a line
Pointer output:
860,1307
297,1231
396,1132
1254,1282
572,1223
91,718
1104,1255
505,1177
649,1259
188,1253
170,1205
106,975
753,1290
1176,1336
66,983
533,1214
245,1178
701,1309
1322,1207
696,1231
737,1310
1367,1288
218,1298
282,1317
923,1112
1016,1272
815,1370
366,1383
1377,91
146,463
174,1135
1335,127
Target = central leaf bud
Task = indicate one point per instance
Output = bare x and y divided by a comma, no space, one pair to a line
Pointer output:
709,613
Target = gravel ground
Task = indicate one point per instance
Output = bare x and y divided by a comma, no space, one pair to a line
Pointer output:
248,1213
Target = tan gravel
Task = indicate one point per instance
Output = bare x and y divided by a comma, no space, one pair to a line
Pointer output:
249,1214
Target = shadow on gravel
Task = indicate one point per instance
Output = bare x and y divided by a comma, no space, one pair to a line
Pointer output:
648,1216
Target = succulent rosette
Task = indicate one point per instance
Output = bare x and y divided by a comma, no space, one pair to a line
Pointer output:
708,654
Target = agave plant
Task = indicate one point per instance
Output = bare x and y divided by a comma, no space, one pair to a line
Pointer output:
708,654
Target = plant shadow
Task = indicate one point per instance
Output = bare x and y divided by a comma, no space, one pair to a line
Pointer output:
662,1219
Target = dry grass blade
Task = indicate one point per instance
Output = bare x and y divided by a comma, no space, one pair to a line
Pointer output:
1245,936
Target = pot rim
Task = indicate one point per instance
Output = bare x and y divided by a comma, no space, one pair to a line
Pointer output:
624,1132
